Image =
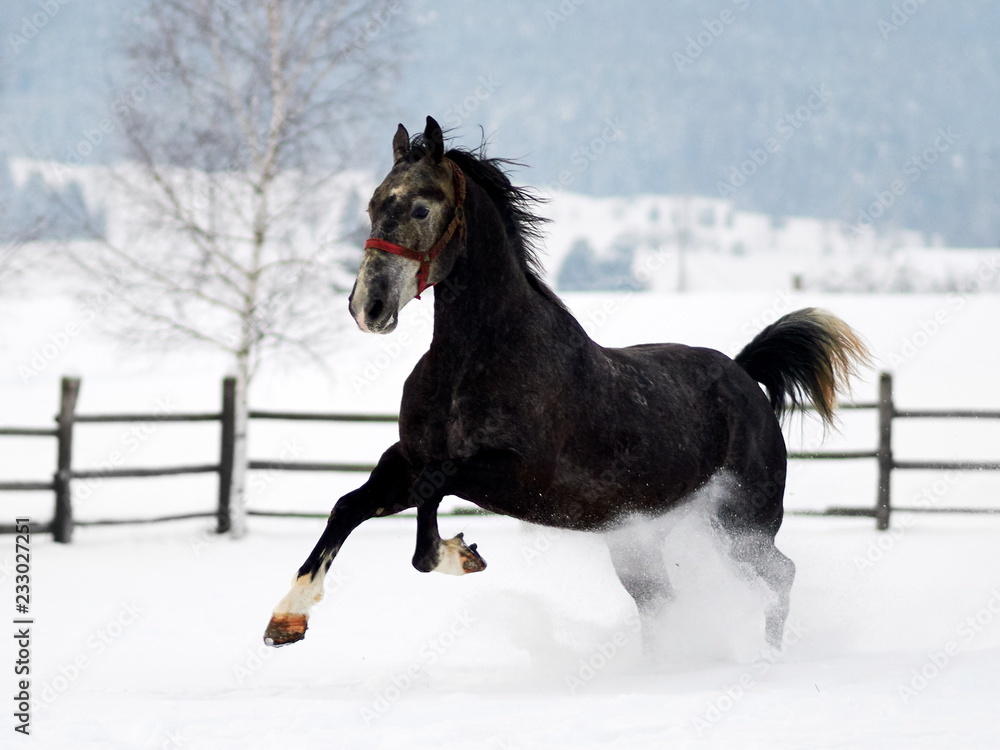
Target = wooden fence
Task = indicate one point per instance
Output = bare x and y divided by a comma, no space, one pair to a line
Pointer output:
888,463
62,524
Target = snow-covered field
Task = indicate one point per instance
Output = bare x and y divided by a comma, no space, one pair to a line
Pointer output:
150,636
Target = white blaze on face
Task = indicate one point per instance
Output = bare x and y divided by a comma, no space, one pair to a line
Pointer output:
394,276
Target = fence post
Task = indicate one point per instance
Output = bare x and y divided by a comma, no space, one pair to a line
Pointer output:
886,412
227,454
62,521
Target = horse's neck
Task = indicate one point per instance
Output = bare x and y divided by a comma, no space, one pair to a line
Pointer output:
477,299
486,295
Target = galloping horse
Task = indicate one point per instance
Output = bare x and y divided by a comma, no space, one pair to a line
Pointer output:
517,410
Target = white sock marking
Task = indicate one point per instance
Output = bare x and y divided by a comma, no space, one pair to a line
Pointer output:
451,558
302,596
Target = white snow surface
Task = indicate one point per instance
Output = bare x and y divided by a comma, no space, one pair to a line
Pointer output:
150,636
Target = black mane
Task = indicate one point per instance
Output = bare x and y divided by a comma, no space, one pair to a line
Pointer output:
515,205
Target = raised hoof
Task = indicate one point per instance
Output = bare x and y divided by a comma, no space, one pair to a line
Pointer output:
285,629
458,558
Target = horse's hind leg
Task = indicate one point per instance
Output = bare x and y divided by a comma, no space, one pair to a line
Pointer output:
748,530
637,556
755,551
386,492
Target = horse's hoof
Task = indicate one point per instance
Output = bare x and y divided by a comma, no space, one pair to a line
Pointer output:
285,629
458,558
472,561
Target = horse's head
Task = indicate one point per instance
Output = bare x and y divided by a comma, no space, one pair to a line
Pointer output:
416,213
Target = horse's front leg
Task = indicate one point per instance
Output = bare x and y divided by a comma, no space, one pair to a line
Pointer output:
451,556
386,492
479,476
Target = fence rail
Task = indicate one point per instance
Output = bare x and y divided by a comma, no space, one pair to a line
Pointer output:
62,524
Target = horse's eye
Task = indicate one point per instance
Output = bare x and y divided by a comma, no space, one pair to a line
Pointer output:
419,212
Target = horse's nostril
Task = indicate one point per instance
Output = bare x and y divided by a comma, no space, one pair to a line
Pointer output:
375,310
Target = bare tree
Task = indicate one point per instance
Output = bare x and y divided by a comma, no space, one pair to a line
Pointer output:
20,226
11,263
238,117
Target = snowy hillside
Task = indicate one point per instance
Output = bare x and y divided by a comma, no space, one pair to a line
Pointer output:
686,243
700,95
650,243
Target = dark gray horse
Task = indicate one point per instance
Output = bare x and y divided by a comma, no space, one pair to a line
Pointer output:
517,410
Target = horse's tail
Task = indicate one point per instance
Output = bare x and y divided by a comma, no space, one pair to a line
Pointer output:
807,355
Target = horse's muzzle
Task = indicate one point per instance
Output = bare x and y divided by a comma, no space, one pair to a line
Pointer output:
373,314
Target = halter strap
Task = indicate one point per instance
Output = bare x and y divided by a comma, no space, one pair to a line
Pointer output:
425,259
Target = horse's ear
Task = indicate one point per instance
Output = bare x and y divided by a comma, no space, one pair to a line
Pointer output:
400,144
434,139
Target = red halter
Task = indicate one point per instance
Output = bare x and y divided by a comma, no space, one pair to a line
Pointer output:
425,259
